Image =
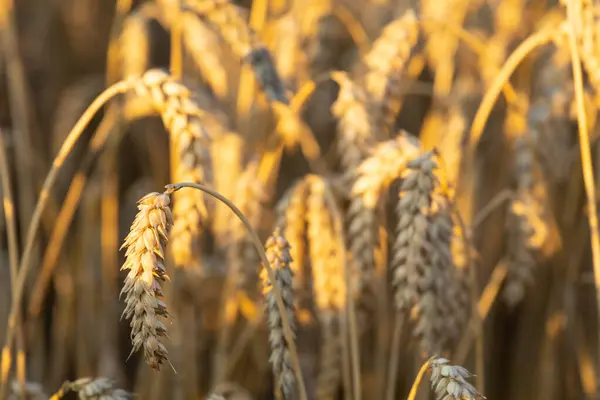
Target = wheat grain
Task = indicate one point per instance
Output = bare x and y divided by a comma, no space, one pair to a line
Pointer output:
278,254
145,246
386,62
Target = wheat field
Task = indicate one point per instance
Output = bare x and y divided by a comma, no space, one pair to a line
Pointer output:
299,199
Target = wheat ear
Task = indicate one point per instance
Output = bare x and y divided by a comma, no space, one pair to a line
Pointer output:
278,253
386,61
527,227
145,244
448,382
92,389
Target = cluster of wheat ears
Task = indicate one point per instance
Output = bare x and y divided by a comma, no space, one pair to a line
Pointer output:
359,194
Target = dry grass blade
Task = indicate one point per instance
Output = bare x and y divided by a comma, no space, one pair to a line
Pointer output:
145,244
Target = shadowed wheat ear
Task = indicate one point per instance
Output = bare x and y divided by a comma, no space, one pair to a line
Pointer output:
528,228
422,264
356,132
329,284
145,246
448,382
92,389
278,254
386,61
373,176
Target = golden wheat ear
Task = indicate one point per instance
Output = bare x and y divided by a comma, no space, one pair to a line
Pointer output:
448,382
144,259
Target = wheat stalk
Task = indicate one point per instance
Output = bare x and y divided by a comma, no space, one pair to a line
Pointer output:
145,246
329,283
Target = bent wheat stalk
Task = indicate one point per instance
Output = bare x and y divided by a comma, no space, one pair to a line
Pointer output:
287,329
25,265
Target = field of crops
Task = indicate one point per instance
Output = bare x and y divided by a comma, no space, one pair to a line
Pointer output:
299,199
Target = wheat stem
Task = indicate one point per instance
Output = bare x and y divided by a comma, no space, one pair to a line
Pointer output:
176,62
67,211
13,252
486,300
584,145
394,357
287,331
25,265
512,62
412,395
351,307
